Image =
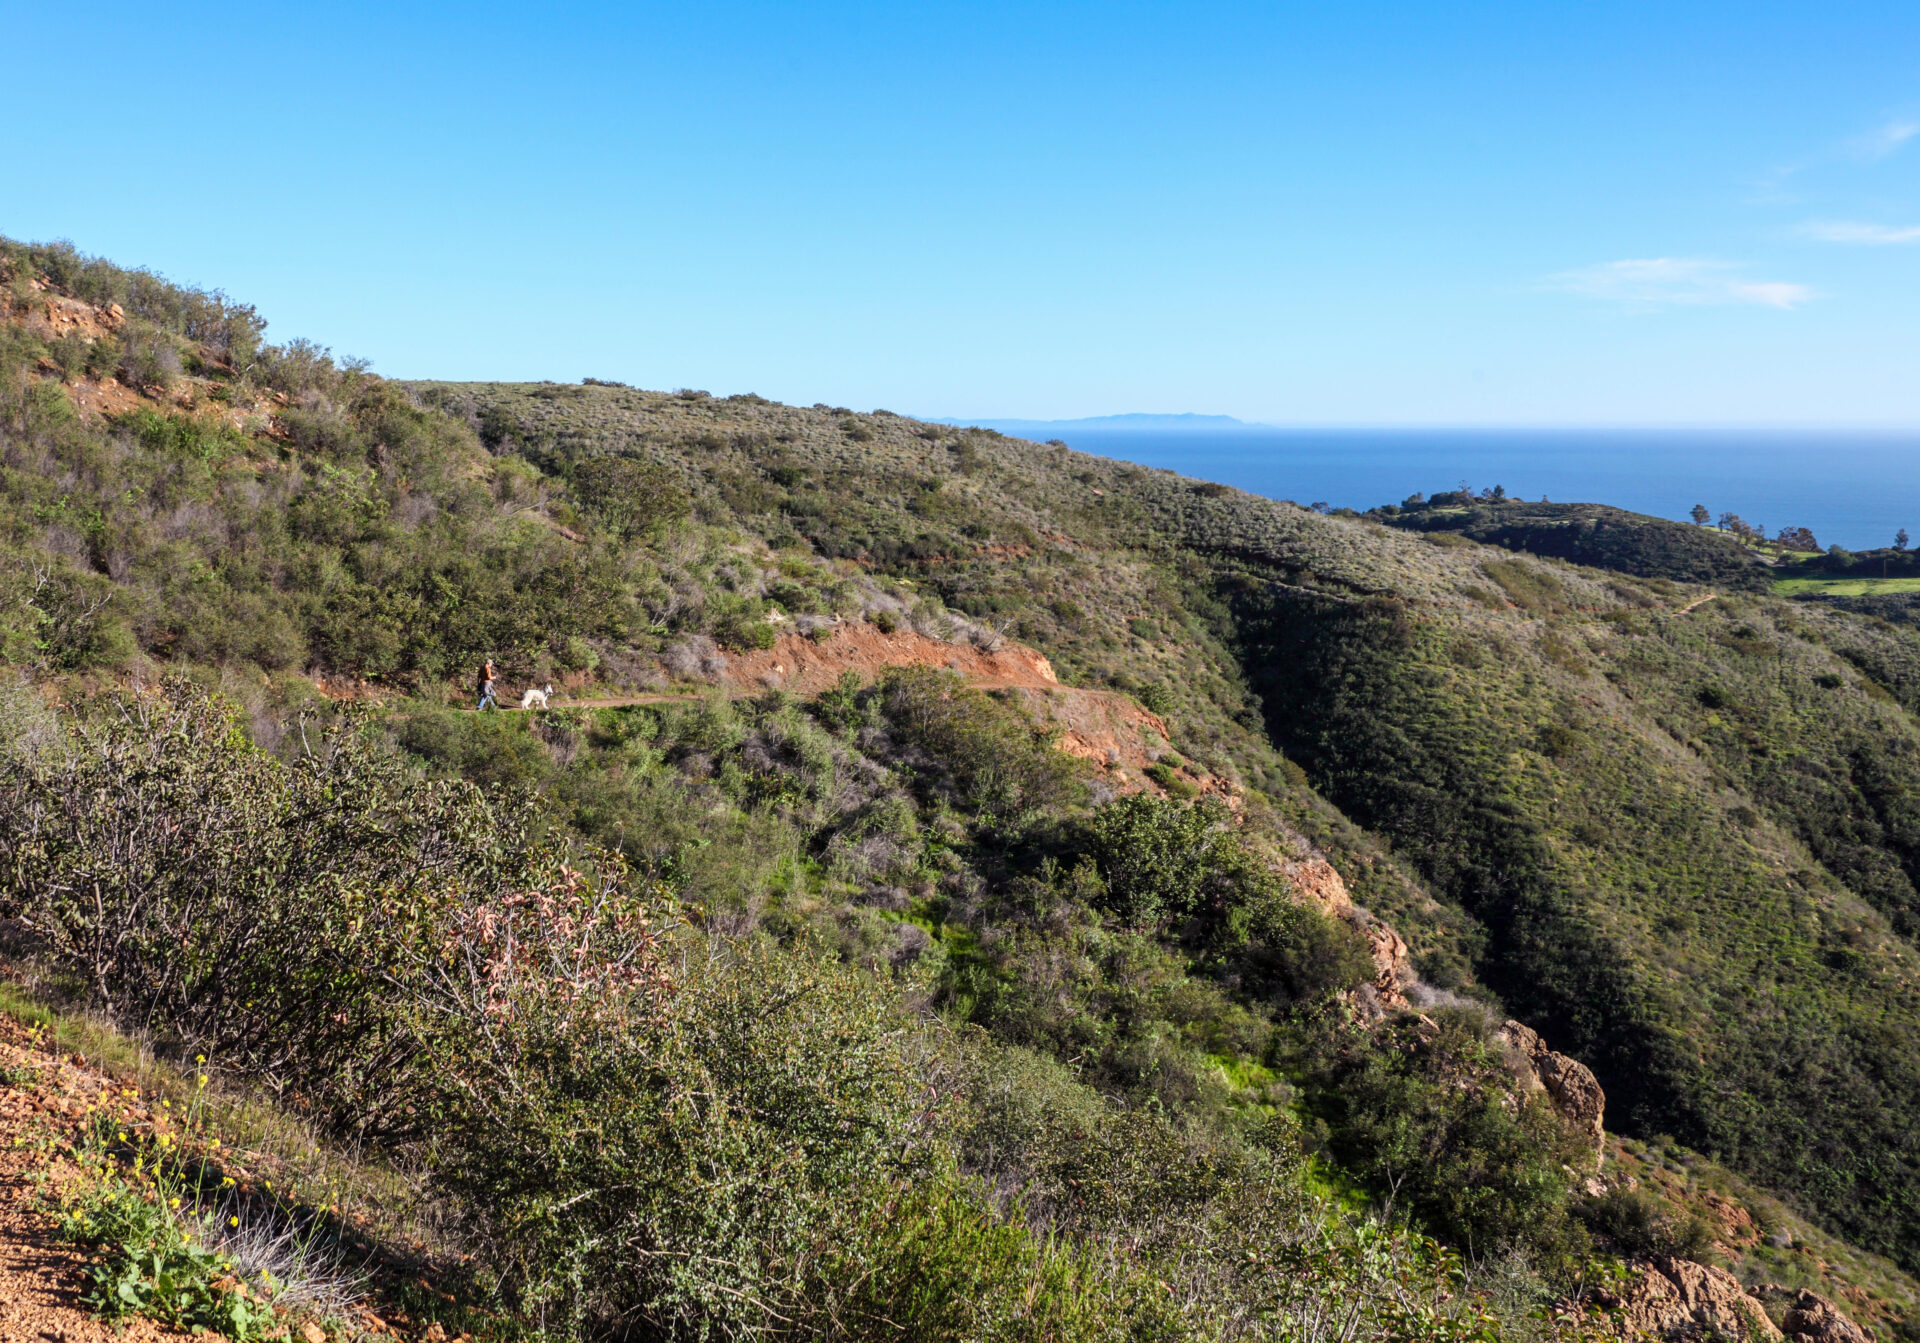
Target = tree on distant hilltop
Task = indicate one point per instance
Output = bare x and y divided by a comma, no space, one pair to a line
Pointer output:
1900,539
1700,515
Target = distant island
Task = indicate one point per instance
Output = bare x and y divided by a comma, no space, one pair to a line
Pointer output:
1136,421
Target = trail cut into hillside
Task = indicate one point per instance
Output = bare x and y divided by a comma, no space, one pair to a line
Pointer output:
1113,732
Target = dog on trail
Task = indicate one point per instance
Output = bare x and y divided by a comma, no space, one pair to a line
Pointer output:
537,696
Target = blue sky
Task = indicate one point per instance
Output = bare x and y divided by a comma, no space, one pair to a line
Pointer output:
1354,214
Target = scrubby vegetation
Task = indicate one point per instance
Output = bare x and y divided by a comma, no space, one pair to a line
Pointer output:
1589,534
871,1011
654,1124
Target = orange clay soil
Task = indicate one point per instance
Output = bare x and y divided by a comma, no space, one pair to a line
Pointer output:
797,663
1110,730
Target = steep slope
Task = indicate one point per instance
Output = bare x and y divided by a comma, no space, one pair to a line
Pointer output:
1670,830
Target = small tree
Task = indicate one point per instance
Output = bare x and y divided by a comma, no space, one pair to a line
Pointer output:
1900,539
1700,515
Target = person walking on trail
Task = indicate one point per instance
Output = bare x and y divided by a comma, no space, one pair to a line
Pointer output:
486,686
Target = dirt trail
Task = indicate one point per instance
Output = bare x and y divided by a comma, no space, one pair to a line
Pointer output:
1109,730
1696,603
606,702
40,1274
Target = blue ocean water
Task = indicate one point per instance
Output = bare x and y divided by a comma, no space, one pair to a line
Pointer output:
1855,489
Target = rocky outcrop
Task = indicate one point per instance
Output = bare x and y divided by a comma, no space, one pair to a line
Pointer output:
1569,1083
1677,1299
1316,881
1812,1318
1733,1226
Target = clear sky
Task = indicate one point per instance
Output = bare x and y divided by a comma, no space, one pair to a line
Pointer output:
1358,213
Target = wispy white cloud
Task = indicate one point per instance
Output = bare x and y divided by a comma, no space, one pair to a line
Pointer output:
1871,235
1777,185
1883,139
1669,281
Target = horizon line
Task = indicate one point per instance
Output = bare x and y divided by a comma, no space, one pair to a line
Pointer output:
1473,426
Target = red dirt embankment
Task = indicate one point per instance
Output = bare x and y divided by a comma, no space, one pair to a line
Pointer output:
1101,726
805,667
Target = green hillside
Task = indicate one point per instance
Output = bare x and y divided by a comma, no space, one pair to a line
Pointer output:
1610,786
1589,534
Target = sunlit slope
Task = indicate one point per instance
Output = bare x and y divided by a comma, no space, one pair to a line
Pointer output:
1679,829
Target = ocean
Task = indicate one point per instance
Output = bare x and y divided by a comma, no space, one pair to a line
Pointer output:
1855,489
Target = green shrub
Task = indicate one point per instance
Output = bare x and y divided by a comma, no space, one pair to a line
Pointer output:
1163,862
630,497
1430,1120
257,911
1636,1222
180,435
149,1261
1186,867
995,758
1177,788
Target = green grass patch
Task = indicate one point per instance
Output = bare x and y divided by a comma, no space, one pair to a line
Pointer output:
1845,587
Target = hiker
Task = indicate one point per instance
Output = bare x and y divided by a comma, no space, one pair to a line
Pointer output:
486,686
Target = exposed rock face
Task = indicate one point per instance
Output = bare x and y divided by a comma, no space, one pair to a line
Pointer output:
1679,1299
1569,1084
1812,1318
1734,1226
1320,885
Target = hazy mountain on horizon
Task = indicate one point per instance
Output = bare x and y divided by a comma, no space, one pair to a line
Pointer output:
1135,420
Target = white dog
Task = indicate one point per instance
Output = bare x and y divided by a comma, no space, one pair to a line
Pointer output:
536,696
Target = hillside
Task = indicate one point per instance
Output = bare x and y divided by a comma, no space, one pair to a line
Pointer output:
1242,887
1590,534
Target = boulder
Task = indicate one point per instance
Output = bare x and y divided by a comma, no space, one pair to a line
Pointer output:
1677,1299
1812,1318
1569,1083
